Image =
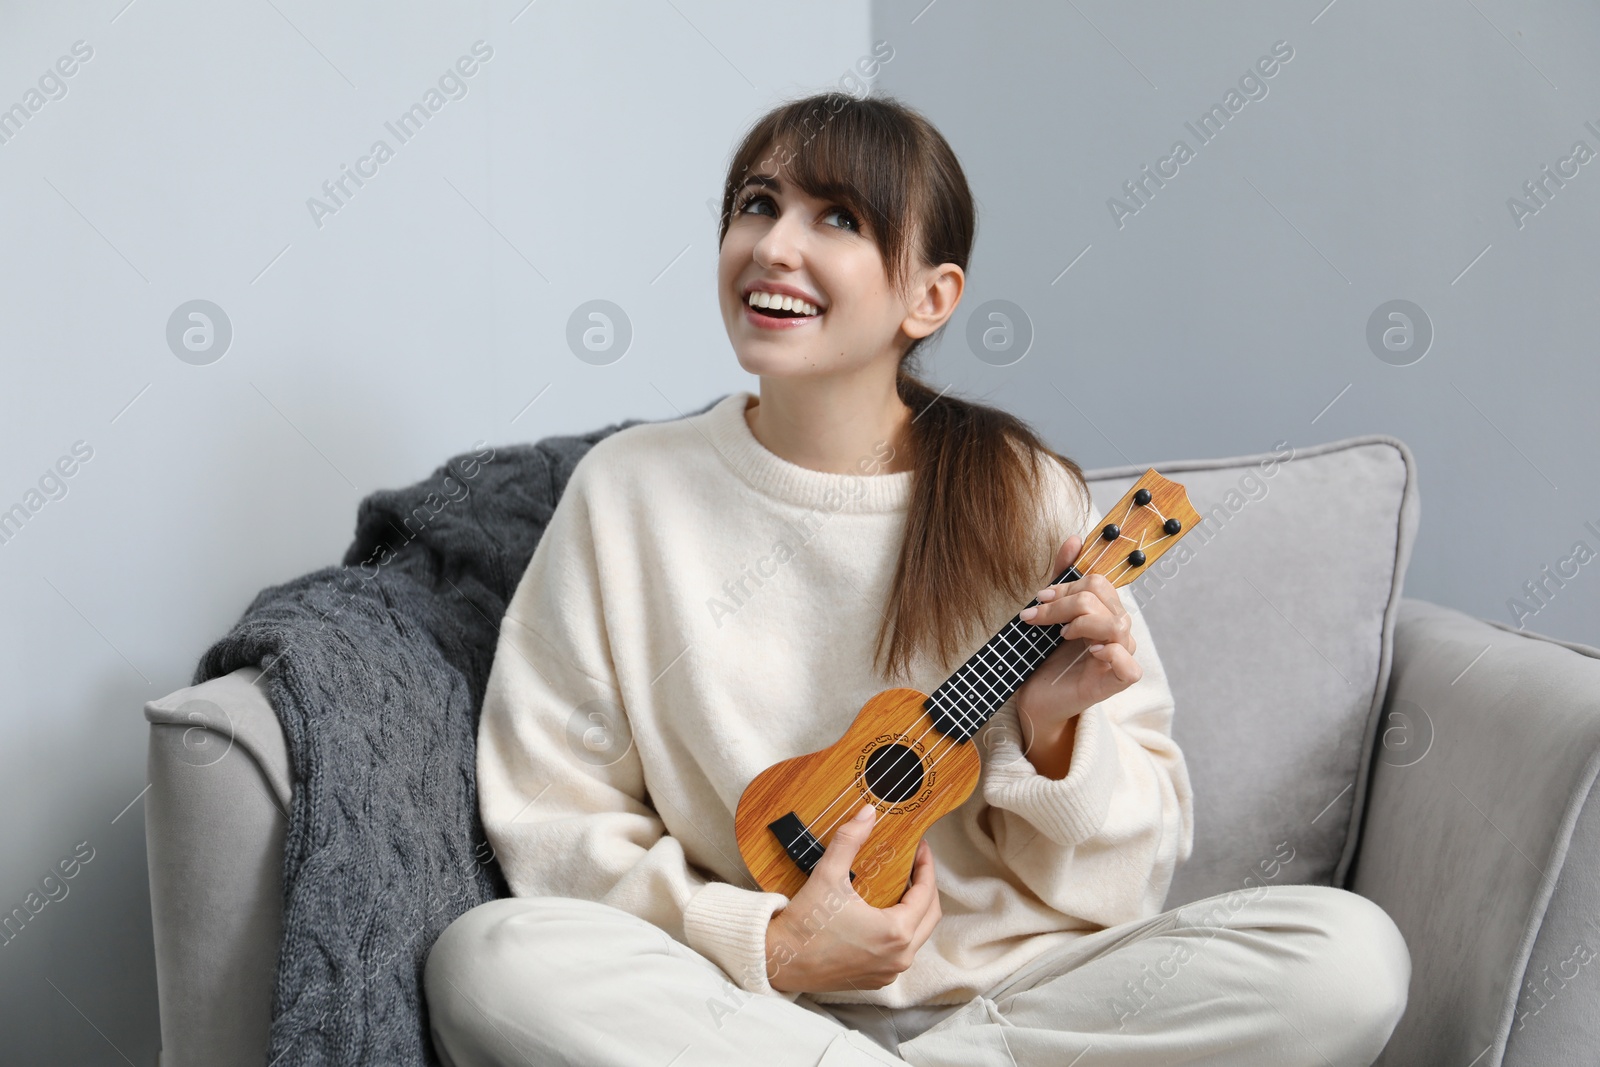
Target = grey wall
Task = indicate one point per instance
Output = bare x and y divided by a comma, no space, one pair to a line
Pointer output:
1230,310
426,314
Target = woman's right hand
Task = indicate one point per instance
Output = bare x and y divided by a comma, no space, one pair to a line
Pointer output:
849,943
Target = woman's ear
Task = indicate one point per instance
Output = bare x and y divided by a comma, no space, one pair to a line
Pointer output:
936,292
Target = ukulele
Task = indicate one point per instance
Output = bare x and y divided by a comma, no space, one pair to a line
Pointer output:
909,754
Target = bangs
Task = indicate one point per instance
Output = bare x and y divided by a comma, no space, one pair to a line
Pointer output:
846,151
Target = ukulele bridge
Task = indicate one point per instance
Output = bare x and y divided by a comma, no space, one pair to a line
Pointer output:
801,845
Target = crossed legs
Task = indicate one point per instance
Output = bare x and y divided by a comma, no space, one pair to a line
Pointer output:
1280,975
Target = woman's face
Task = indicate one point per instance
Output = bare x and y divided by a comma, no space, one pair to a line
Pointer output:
781,240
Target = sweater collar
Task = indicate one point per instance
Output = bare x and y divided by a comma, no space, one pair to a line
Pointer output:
724,426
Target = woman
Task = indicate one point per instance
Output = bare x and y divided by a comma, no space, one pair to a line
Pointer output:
722,591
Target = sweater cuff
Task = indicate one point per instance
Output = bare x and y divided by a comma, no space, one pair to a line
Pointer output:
1067,810
728,926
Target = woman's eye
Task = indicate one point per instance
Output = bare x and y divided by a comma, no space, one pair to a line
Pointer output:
747,201
845,214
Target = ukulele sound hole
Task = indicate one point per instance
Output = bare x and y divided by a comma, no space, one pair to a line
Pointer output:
894,773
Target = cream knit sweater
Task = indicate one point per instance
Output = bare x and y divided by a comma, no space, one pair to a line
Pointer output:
699,609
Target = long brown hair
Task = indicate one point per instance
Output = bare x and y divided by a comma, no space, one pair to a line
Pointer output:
972,523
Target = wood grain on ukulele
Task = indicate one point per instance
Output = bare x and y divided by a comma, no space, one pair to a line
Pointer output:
910,754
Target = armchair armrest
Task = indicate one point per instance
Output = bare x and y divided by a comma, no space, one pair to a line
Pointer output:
214,830
1480,842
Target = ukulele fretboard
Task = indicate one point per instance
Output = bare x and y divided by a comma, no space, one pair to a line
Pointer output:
966,700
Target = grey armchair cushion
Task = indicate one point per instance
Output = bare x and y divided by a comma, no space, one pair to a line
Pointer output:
1274,618
1482,844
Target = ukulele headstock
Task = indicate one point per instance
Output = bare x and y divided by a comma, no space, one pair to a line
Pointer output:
1152,516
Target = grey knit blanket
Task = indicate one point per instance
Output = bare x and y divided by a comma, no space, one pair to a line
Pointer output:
377,670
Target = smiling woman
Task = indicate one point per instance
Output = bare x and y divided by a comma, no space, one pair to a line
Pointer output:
844,240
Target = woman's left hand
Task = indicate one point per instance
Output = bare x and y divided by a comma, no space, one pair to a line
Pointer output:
1095,658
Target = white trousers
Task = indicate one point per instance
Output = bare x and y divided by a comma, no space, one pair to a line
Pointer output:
1280,975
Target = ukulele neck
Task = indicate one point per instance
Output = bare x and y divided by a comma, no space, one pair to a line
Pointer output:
1149,519
967,699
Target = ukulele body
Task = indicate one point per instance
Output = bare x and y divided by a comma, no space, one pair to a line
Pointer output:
892,757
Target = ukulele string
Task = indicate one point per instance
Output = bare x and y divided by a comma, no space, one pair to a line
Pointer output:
1105,547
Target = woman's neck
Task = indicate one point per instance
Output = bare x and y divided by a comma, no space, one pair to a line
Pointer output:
833,430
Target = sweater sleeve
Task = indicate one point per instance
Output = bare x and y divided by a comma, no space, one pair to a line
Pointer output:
1103,842
561,785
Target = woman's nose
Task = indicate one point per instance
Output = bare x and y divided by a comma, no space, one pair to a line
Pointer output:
780,245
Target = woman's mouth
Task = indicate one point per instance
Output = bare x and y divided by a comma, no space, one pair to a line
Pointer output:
772,312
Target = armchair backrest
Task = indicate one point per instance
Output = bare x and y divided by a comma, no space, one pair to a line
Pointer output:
1274,618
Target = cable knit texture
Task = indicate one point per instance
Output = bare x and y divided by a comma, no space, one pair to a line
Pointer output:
700,609
377,670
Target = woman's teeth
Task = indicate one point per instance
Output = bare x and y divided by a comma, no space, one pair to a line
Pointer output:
774,302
